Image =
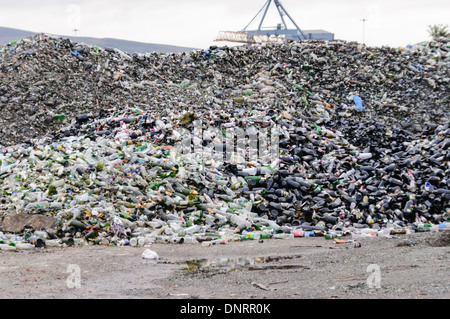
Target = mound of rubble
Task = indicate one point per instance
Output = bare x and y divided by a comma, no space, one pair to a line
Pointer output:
117,148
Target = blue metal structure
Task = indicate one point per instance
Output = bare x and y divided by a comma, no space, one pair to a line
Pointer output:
280,33
293,34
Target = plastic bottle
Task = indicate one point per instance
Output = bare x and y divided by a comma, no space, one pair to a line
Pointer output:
385,232
190,240
25,246
364,156
192,229
133,242
219,241
298,233
255,235
330,236
8,247
175,239
53,242
423,227
250,171
69,241
283,236
238,220
438,227
309,233
37,241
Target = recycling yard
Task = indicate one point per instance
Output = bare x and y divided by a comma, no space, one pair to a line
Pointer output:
231,164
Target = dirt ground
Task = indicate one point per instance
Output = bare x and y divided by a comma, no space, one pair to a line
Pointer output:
412,266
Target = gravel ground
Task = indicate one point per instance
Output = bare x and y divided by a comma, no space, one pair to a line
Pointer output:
412,266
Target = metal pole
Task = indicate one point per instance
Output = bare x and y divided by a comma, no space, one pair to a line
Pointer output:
292,20
281,15
255,17
264,16
364,30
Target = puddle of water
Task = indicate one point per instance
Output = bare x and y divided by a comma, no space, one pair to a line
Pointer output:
245,263
284,266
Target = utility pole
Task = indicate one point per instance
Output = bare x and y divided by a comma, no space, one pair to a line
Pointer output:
75,30
364,30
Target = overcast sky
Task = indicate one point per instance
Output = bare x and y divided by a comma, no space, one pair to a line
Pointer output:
196,23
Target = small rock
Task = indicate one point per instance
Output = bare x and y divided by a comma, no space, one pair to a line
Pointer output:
150,254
